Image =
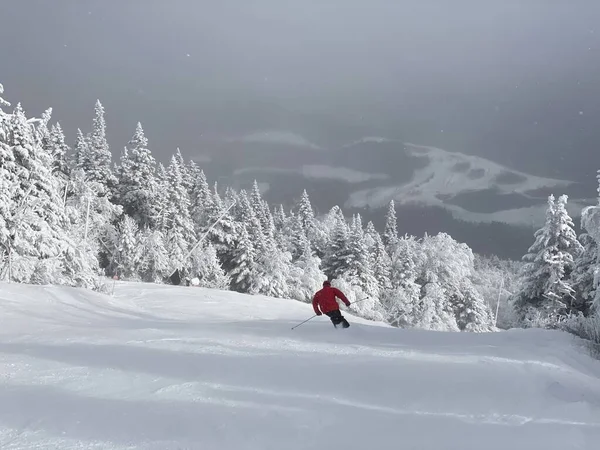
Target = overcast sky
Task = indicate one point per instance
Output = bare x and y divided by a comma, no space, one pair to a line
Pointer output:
517,81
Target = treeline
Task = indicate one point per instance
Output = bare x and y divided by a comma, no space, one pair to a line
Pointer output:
74,216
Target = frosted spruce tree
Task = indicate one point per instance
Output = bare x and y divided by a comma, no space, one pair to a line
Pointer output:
590,221
137,184
180,235
337,256
390,234
582,277
59,151
546,294
97,161
155,266
244,268
403,297
201,199
127,258
35,234
207,268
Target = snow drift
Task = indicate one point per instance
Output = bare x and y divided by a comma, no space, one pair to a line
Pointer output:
158,367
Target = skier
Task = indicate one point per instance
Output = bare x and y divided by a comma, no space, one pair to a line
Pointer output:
325,300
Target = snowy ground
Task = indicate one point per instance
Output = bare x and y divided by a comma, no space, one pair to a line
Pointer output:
157,367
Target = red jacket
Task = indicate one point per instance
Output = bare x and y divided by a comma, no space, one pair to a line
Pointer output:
325,299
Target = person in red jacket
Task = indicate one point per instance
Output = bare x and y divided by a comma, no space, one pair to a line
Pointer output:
324,302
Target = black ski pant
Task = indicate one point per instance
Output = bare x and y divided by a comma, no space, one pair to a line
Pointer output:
337,318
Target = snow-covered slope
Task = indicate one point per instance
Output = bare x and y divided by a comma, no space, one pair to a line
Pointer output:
451,174
158,367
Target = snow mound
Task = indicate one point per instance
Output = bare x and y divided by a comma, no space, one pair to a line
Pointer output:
158,367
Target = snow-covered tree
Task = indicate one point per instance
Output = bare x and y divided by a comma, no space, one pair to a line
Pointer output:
128,255
590,221
201,198
390,234
137,185
35,233
359,265
402,297
97,162
207,268
155,265
306,276
59,151
337,256
244,268
450,300
180,235
582,277
546,293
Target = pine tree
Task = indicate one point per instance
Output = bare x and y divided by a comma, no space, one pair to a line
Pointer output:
59,151
381,264
98,161
201,198
207,268
390,235
81,153
305,276
34,227
154,259
582,277
306,213
137,184
338,255
224,234
244,271
545,295
180,235
128,256
401,300
590,222
358,268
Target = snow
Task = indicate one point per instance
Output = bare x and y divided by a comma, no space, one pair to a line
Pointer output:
440,179
159,367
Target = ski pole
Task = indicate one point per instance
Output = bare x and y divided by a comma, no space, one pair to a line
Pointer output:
361,300
302,323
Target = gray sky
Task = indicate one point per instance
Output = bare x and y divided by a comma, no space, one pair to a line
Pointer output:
516,81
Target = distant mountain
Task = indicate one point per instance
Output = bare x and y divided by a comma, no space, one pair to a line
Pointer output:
493,208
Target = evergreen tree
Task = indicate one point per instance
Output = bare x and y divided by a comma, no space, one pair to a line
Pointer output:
381,264
244,271
81,153
390,235
34,226
128,256
201,198
155,265
358,268
590,221
180,235
306,213
59,150
305,277
582,277
137,184
546,293
222,229
207,268
98,160
338,254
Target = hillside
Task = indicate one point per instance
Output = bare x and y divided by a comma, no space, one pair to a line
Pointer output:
158,367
